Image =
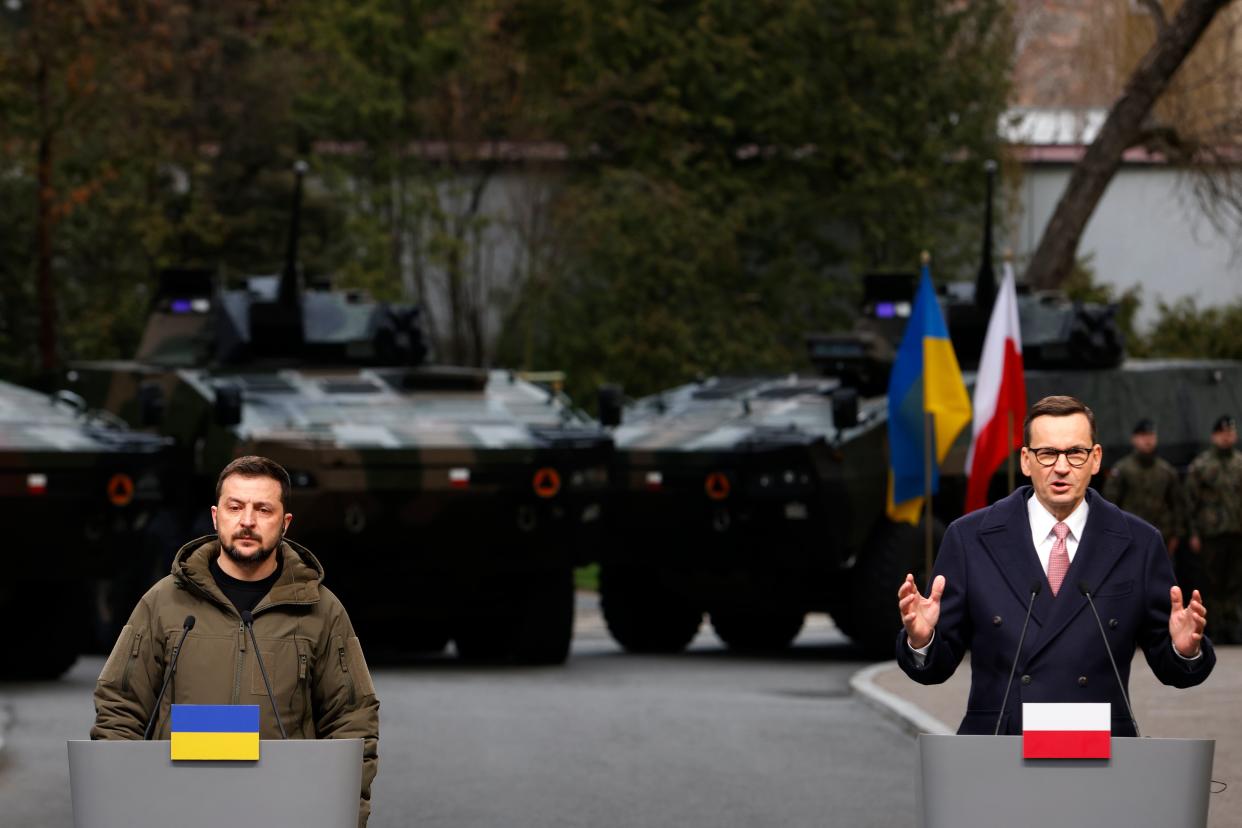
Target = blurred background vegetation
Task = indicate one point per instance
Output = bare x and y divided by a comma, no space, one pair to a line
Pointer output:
625,190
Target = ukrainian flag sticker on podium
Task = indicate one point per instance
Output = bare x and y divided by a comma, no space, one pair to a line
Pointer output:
215,731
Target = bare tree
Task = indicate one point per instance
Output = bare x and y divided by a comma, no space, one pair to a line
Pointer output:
1125,127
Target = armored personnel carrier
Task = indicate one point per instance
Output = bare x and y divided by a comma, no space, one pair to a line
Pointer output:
444,502
758,499
77,490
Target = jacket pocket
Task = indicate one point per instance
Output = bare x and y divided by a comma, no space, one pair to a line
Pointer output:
306,722
123,652
342,664
1115,590
358,667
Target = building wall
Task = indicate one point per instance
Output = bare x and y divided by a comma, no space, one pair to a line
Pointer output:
1147,231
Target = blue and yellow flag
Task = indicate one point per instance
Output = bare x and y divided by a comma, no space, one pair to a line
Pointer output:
215,731
925,380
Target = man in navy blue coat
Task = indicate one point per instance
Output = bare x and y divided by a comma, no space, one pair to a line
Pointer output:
991,561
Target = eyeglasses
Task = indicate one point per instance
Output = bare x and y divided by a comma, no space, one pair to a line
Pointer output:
1076,456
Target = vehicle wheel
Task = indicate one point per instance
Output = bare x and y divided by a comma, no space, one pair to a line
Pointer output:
871,618
544,625
535,625
642,614
147,559
757,631
50,653
481,640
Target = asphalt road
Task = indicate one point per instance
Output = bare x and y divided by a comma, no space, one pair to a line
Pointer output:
701,739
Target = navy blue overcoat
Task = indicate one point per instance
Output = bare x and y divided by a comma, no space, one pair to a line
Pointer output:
990,565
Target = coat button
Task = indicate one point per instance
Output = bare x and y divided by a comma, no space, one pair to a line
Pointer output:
1082,681
1113,623
996,620
1026,679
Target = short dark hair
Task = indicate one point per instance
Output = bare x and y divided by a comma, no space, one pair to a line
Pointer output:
1057,406
254,466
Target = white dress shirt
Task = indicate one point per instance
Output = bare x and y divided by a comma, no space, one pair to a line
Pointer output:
1042,535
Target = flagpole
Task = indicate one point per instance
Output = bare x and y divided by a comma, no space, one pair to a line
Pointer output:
927,491
925,260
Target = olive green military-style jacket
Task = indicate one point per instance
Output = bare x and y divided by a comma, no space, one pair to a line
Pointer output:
1149,487
313,659
1214,485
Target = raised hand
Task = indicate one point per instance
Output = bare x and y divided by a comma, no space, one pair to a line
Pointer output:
1186,623
919,614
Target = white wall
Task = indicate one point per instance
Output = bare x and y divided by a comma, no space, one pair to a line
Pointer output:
1147,230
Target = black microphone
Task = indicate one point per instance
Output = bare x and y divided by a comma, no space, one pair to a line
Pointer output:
1036,586
1085,589
186,626
248,620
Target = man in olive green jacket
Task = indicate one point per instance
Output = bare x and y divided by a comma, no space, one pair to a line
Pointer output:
313,659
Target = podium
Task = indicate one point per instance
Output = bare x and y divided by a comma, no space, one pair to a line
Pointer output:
131,784
976,781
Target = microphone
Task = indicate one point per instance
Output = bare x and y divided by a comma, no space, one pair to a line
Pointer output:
1036,586
186,626
248,620
1085,589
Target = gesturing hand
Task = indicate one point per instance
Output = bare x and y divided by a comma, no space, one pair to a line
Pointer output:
919,614
1186,623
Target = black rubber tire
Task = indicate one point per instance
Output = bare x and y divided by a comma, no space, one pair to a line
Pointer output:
871,619
50,651
757,631
535,627
544,626
481,640
642,614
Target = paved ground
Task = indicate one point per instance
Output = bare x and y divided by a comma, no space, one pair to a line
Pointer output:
701,740
614,740
1210,711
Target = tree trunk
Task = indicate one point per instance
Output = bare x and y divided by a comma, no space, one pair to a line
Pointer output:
1054,257
43,229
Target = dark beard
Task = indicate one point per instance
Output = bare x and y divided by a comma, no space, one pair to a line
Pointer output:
249,561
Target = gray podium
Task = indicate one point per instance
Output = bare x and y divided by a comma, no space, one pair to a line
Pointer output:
975,781
306,783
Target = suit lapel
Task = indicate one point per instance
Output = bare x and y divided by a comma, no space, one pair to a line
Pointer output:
1006,535
1104,540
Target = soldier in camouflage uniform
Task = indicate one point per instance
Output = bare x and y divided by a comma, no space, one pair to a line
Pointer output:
1148,486
1214,486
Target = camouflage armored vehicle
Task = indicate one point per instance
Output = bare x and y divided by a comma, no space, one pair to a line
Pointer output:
758,499
77,491
444,502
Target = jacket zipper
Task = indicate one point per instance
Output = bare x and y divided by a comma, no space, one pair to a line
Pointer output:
241,658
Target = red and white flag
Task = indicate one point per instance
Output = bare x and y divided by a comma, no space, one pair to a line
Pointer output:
1066,731
1000,391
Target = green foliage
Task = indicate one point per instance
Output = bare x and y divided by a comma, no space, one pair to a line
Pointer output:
728,164
735,160
1183,329
586,578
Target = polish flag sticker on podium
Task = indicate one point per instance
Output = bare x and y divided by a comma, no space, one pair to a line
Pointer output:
1066,731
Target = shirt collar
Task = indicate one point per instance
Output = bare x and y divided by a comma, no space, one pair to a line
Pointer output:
1042,520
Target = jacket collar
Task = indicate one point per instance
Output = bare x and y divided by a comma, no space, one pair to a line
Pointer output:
1005,533
298,583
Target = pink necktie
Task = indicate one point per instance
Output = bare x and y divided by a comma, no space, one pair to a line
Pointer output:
1058,563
